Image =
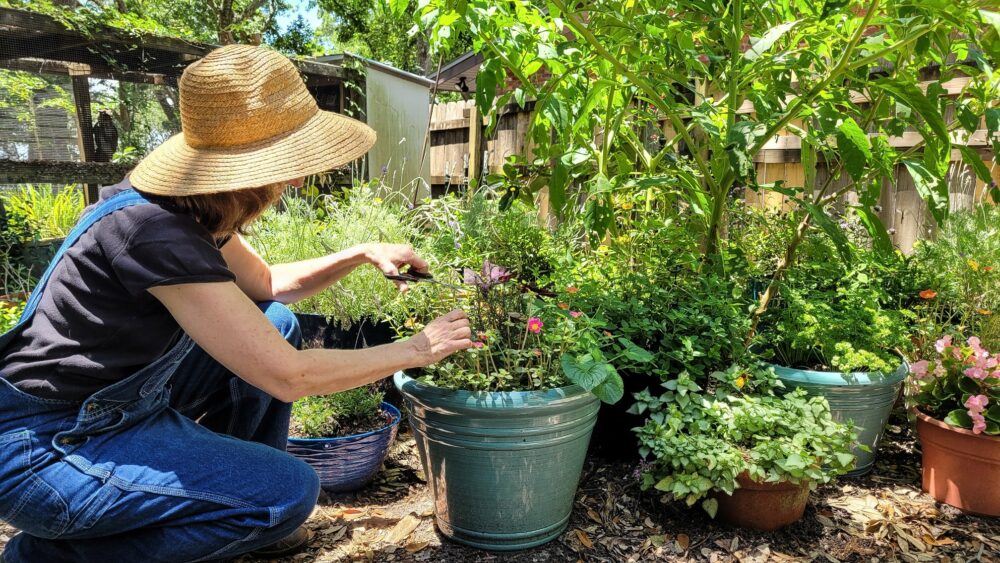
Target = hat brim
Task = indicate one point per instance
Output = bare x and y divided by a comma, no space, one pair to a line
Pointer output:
324,142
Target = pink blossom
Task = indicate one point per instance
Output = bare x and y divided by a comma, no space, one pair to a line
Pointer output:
976,373
976,403
535,325
575,314
945,342
978,423
977,349
477,344
919,369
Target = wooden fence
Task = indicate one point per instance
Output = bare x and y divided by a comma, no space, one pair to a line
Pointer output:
459,149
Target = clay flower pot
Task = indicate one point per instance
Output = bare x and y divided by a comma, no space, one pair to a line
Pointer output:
960,468
763,506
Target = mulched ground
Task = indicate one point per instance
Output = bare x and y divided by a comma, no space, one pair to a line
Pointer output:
880,517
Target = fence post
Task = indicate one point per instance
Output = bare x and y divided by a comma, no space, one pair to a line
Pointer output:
475,144
84,122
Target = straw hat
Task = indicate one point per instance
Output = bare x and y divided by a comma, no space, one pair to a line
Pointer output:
247,120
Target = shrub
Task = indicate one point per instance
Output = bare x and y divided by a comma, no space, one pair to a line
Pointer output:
49,212
339,414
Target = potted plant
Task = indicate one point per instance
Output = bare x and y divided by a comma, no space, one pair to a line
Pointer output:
503,428
955,394
838,331
344,436
750,456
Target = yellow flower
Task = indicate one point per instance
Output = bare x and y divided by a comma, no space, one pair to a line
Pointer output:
603,249
741,381
628,205
986,312
377,200
409,323
974,265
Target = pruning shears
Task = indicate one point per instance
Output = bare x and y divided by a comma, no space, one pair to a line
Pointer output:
414,276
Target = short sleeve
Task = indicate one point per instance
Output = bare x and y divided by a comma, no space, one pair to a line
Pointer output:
169,249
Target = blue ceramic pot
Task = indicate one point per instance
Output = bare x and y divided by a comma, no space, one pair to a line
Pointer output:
347,463
863,397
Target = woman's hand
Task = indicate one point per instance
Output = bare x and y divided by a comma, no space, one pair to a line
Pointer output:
389,258
441,338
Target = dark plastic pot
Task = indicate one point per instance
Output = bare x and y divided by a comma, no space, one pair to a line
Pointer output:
960,468
320,331
866,398
613,434
763,506
347,463
503,467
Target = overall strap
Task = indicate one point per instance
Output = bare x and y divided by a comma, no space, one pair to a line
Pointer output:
121,200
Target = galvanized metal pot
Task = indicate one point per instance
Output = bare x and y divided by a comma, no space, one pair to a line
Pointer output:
503,467
866,398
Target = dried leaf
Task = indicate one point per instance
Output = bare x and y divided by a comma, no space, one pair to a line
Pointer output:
416,546
403,529
584,538
593,515
684,541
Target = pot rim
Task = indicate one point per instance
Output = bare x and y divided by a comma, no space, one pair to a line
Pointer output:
928,419
410,385
386,407
837,378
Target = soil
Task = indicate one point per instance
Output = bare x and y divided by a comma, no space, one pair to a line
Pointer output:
880,517
348,427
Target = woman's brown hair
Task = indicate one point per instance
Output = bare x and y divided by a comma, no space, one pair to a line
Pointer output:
227,213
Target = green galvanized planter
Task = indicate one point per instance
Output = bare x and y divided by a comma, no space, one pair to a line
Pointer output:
503,467
866,398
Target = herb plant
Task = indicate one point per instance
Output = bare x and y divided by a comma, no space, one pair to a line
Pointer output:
959,384
339,414
50,213
956,279
739,426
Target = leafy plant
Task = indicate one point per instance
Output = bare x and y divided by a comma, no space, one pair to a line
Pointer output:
339,414
959,384
739,426
840,316
665,82
304,228
10,313
48,211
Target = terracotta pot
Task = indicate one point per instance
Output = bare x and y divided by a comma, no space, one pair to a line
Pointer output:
763,506
960,468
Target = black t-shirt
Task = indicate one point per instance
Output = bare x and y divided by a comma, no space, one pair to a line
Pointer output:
96,323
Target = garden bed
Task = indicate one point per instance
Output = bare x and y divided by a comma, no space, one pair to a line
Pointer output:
882,516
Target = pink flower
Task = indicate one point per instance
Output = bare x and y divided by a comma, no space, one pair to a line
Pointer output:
978,424
976,373
919,369
977,349
575,314
976,403
477,344
940,345
535,325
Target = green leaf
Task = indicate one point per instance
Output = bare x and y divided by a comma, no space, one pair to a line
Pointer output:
910,94
970,157
991,18
832,230
612,389
711,506
876,230
399,6
993,413
932,189
846,458
959,418
808,155
583,370
762,45
854,147
635,353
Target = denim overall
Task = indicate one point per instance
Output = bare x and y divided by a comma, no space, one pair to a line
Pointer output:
129,476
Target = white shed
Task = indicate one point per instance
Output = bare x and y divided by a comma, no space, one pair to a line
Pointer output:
397,106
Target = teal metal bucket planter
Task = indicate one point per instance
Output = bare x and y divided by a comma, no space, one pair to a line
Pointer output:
866,398
503,467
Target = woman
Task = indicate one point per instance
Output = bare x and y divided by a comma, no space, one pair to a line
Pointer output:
144,397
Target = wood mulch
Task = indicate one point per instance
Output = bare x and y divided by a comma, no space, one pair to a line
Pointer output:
880,517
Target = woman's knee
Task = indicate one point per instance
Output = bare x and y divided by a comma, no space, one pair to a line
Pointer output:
300,485
284,320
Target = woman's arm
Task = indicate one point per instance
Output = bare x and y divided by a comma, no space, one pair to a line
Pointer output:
288,283
221,319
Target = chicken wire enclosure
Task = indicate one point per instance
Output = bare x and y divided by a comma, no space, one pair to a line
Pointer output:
82,106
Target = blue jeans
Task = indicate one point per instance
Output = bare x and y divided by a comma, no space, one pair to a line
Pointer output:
182,461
